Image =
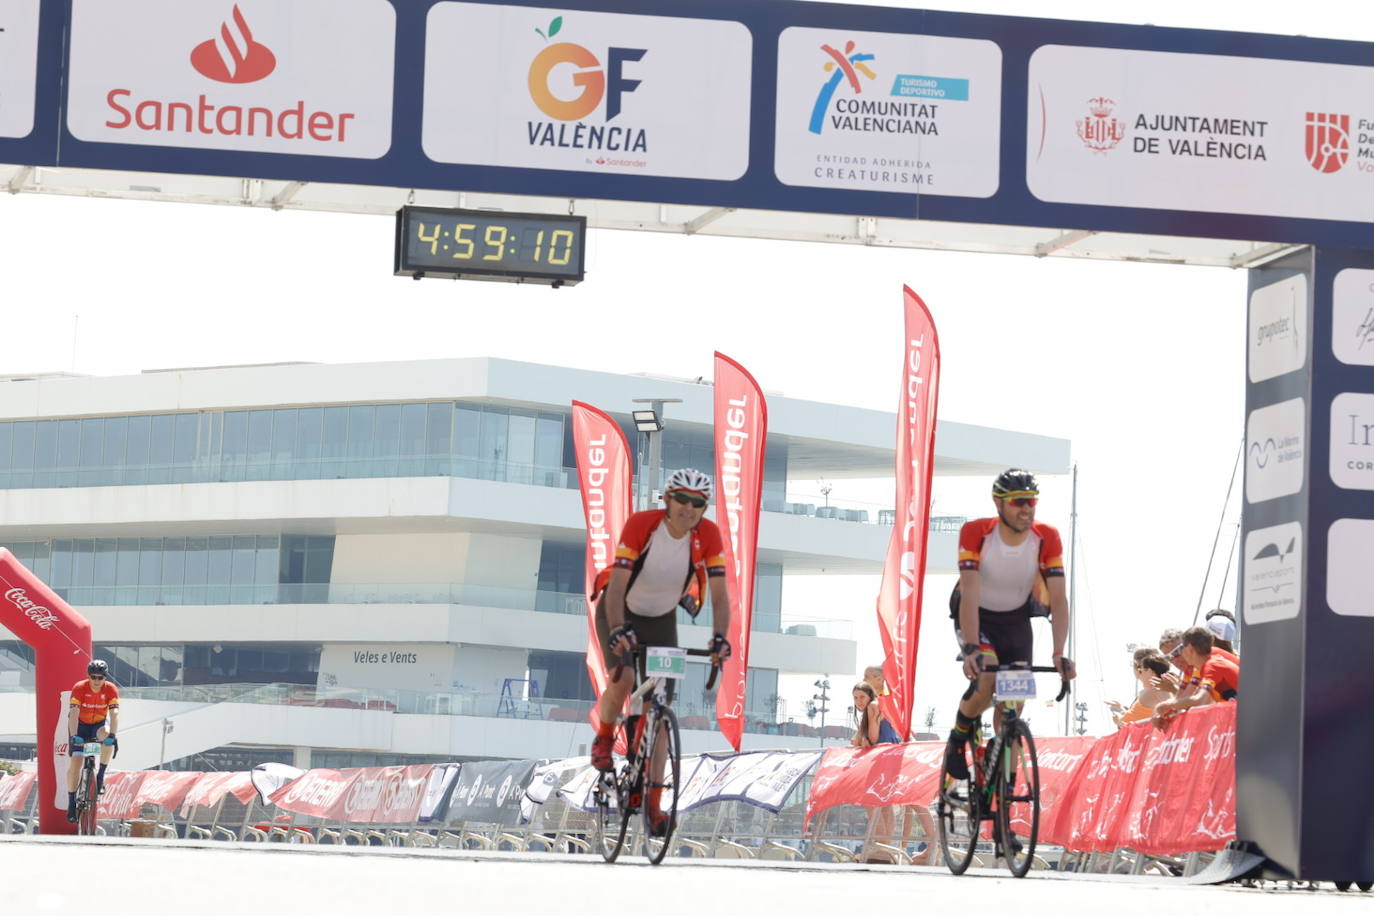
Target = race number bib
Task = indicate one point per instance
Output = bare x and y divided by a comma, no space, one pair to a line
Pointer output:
1015,685
663,661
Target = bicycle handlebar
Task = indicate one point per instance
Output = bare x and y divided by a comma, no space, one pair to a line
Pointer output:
639,656
1039,669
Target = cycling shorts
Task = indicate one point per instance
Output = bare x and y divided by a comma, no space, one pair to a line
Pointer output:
1005,637
650,631
89,731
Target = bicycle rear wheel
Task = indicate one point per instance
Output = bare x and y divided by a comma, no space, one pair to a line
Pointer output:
88,797
1018,800
959,811
663,740
609,821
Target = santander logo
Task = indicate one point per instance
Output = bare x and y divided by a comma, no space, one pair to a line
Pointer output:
234,57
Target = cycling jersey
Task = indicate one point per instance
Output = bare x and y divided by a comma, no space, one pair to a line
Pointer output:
681,566
1010,576
1219,676
94,704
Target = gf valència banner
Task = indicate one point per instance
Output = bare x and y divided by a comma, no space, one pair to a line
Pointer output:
1201,132
580,91
18,66
873,111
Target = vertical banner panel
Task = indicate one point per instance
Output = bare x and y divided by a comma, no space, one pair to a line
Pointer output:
741,430
603,478
899,599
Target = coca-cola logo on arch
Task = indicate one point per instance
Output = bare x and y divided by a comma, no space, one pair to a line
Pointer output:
42,617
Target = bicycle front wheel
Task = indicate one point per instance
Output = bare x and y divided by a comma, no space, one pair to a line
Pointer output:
1018,800
959,811
608,820
88,797
660,820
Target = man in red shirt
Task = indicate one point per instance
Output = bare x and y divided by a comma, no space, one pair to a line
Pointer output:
1212,677
94,702
663,556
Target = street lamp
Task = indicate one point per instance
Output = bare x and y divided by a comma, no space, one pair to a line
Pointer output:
822,700
649,423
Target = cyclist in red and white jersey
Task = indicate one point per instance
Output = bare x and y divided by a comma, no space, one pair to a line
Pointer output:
664,556
1010,568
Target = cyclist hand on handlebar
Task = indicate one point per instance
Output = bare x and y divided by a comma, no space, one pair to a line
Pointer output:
622,639
719,647
1067,670
76,740
973,660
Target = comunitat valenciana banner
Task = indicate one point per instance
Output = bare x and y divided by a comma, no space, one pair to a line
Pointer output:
603,476
741,428
899,600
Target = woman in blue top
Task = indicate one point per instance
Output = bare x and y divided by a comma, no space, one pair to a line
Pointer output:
870,726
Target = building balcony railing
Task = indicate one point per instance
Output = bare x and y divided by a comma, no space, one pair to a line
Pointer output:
447,593
694,712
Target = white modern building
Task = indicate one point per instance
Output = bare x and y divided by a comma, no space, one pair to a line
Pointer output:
343,565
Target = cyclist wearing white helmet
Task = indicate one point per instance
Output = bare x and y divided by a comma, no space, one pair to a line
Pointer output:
665,557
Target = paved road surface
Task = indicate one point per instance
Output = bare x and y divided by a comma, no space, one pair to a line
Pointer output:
111,877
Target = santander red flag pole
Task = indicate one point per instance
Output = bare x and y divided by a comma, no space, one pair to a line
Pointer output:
603,476
899,599
741,428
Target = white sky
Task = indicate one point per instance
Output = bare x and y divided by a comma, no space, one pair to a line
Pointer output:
1141,366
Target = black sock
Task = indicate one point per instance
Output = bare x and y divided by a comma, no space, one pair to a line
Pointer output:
71,799
100,774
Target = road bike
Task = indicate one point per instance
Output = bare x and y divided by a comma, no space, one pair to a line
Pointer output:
1003,785
651,741
88,786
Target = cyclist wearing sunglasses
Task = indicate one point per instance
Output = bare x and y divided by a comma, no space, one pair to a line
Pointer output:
665,557
94,702
1010,568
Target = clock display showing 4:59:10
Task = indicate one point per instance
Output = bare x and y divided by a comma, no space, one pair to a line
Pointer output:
488,245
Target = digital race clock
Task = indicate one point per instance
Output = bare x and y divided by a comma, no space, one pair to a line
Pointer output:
489,245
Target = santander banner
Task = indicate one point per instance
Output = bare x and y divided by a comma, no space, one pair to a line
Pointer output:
303,77
603,477
1162,792
741,429
899,599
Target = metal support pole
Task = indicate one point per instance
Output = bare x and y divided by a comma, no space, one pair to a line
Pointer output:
1073,576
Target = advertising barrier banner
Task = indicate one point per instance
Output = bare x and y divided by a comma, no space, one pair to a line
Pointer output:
489,792
211,787
318,793
760,778
164,788
15,791
386,795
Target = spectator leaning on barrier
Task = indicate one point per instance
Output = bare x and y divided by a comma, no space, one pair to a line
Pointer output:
1212,677
1222,626
1149,666
1171,647
870,727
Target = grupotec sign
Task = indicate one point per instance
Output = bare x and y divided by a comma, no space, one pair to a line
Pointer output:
305,77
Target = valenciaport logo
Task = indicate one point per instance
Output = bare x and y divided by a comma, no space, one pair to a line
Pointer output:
234,56
1327,141
569,82
41,616
1100,131
1273,573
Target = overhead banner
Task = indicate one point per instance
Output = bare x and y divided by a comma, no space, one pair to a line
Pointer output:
18,66
583,91
489,792
741,432
899,598
305,78
872,111
603,478
1129,128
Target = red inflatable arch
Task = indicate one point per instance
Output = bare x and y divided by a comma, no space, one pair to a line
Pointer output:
61,641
